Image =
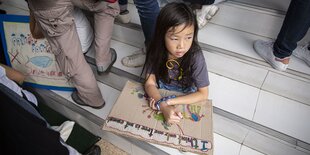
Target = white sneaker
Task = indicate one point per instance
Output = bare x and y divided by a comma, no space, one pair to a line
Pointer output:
303,53
265,50
124,17
135,60
205,14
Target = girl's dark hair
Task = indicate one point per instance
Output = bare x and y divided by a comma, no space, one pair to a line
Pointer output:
171,16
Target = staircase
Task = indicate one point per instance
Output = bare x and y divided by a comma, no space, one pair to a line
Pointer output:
257,110
243,86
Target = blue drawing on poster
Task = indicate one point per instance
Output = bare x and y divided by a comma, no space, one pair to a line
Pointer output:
41,61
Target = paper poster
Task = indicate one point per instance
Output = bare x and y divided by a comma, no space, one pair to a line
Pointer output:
131,116
31,56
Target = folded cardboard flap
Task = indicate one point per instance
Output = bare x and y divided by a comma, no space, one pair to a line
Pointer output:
131,116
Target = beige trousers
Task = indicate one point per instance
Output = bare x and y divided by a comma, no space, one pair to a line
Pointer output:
57,23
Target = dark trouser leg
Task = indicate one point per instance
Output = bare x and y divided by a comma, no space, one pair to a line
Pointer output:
294,28
148,11
122,2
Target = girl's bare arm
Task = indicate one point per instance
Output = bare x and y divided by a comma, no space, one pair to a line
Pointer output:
170,112
200,95
151,87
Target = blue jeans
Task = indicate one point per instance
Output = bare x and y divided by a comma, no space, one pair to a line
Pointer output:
294,28
148,11
162,85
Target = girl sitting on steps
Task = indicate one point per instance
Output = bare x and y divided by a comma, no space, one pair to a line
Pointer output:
175,62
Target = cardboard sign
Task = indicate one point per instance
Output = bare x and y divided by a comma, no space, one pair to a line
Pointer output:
131,116
30,56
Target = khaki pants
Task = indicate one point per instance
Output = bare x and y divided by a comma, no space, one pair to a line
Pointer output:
57,23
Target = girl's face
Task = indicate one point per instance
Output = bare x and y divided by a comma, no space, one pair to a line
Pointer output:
178,40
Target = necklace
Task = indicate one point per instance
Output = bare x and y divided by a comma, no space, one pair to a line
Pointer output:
175,72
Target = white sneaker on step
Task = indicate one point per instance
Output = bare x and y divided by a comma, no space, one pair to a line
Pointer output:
303,53
124,17
205,14
265,50
135,60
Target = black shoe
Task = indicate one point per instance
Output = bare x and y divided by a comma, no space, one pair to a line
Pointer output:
78,100
124,12
113,59
95,150
2,11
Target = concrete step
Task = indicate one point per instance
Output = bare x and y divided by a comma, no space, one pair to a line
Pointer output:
277,5
248,85
246,101
232,134
245,94
233,29
224,45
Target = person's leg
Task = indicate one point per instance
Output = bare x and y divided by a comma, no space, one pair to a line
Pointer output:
104,22
124,15
294,28
58,27
205,10
104,15
84,29
122,2
148,11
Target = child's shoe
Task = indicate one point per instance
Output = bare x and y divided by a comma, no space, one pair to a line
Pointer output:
303,53
205,14
124,17
265,50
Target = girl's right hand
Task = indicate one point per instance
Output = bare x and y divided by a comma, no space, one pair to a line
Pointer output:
171,114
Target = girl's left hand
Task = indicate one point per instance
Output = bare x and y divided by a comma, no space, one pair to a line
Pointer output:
152,103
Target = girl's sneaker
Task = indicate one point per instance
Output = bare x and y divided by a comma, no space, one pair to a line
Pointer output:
124,17
205,14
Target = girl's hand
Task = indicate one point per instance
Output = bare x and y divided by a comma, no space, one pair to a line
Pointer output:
152,103
171,114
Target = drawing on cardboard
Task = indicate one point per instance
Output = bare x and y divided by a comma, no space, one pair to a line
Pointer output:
131,116
32,57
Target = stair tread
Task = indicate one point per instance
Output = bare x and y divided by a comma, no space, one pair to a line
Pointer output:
246,53
225,33
224,86
281,5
